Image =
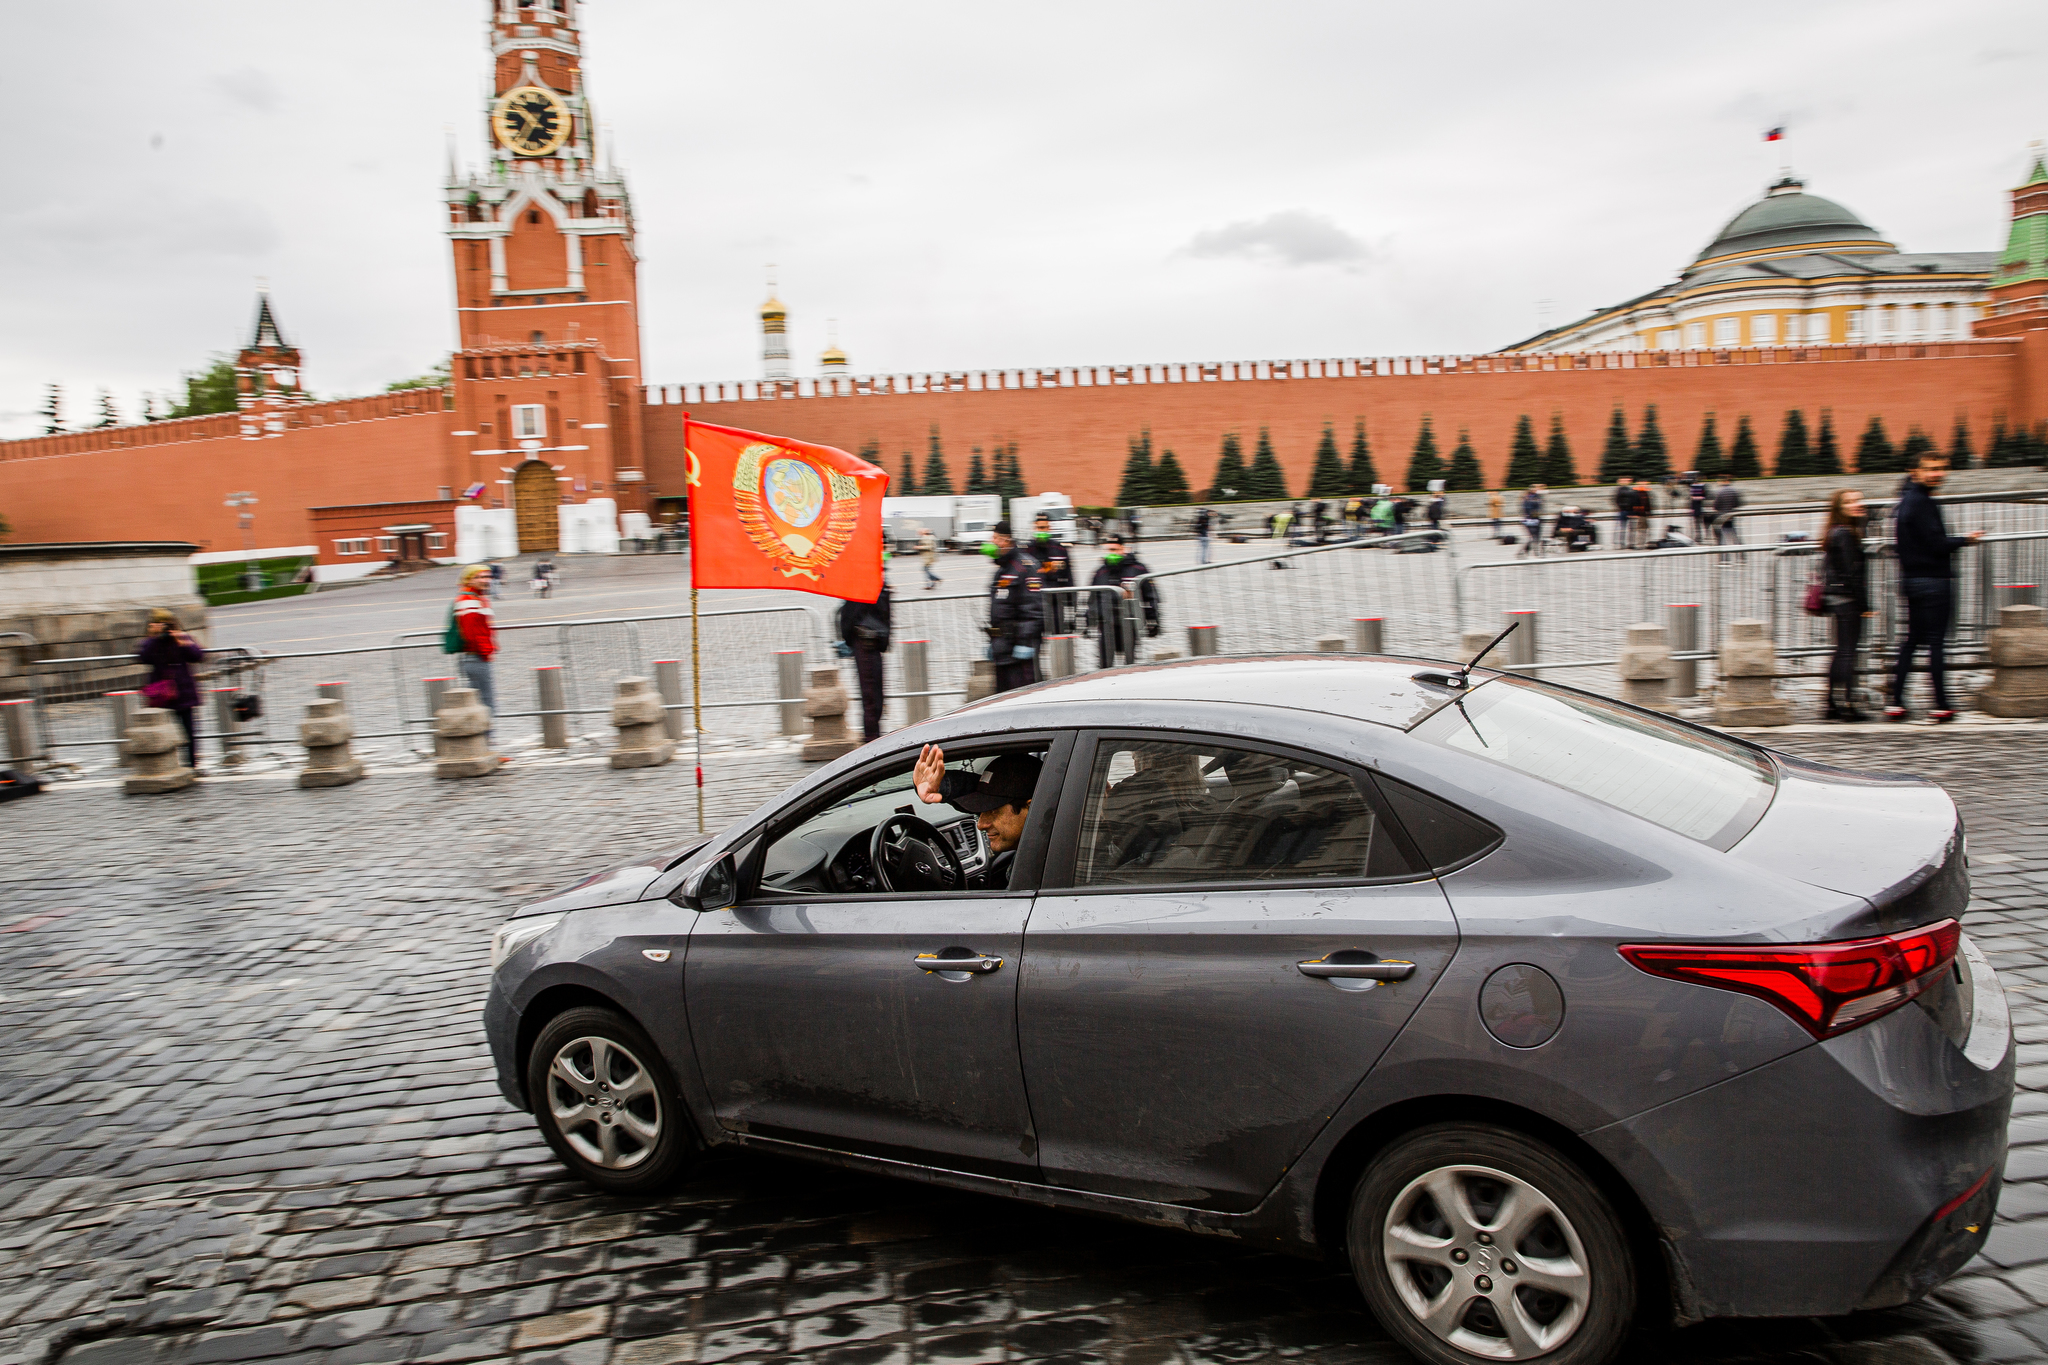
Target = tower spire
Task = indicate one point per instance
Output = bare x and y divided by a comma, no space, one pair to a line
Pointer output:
774,335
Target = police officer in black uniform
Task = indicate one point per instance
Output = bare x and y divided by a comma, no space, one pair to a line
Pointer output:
1106,613
1055,570
864,631
1016,624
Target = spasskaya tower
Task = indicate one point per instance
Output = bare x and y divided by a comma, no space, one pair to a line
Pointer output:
547,372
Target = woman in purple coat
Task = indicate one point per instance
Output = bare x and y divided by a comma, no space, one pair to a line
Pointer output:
170,654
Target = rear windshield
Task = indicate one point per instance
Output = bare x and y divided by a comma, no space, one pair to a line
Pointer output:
1694,782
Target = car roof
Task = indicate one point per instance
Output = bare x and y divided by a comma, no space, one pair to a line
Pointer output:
1371,688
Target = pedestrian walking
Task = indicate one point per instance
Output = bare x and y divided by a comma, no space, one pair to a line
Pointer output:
864,630
1495,504
1317,511
1016,620
1642,506
1727,502
1532,521
472,637
1845,592
1203,523
1697,496
1926,554
1437,505
1383,515
1279,521
1055,570
928,556
170,654
1108,615
497,579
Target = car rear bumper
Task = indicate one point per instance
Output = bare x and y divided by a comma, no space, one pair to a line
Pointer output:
501,1027
1812,1185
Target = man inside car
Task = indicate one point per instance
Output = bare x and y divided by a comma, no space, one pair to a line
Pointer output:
999,798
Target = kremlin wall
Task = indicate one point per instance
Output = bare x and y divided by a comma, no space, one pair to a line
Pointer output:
548,437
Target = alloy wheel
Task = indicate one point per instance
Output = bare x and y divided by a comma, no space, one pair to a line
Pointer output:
603,1102
1486,1262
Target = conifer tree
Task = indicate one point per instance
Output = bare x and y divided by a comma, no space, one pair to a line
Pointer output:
1464,474
1360,477
1959,453
149,412
1267,480
1997,455
1874,453
937,481
1742,458
1230,481
1525,462
108,416
1917,444
1329,478
1136,489
1827,456
1012,476
1708,461
1795,451
1424,463
906,482
978,480
53,411
1652,456
1169,480
1618,456
1558,469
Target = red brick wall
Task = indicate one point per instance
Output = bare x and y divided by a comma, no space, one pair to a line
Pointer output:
366,521
1072,438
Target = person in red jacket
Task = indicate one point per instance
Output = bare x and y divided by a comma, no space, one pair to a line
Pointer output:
479,639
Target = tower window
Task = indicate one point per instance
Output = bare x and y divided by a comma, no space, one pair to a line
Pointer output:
538,338
529,421
533,215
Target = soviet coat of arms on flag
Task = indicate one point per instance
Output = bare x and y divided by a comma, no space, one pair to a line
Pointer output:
773,512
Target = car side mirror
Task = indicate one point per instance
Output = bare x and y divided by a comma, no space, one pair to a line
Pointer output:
710,888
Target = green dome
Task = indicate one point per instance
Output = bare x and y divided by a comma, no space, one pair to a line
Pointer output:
1787,217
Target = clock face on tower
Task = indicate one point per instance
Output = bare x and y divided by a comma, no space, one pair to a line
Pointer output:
531,120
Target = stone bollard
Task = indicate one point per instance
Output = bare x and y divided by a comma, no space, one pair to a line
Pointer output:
326,732
1201,641
1164,656
1329,644
2018,651
1369,634
981,679
825,704
153,746
1646,668
637,716
1748,667
462,736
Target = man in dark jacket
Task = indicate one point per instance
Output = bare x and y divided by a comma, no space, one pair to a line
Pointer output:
1727,502
864,630
1055,570
1927,582
1107,614
1696,497
1016,622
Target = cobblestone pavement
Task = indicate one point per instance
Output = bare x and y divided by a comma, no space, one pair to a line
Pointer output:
246,1114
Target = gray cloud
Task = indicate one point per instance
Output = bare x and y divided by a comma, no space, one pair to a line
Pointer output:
251,87
1290,237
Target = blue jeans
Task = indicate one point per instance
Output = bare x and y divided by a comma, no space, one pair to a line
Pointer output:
1930,606
476,672
1202,548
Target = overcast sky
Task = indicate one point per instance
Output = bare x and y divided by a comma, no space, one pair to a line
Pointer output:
1056,183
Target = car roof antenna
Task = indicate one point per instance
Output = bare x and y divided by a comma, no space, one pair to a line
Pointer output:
1457,681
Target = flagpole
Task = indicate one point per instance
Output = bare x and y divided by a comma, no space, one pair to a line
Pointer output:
696,656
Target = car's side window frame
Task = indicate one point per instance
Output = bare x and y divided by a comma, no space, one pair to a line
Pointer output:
1064,850
1030,860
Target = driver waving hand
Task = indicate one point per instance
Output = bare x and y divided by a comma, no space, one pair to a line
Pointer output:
999,799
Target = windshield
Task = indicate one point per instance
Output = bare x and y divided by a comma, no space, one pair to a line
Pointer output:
1691,781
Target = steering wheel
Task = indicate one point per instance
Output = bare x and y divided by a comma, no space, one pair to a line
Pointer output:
904,849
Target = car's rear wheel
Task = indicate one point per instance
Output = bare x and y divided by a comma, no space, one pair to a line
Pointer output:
1473,1242
605,1102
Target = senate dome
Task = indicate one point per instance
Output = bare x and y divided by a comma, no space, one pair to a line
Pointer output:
1789,219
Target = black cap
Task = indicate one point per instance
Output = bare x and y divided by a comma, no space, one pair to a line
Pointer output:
1001,528
1009,781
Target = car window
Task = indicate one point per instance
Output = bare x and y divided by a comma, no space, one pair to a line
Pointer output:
1691,781
1446,836
1162,812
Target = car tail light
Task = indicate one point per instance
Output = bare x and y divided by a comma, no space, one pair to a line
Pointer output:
1829,988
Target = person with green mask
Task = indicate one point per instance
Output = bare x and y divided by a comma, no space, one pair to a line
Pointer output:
1055,570
1129,575
1016,620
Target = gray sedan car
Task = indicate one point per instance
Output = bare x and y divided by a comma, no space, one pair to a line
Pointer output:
1552,1014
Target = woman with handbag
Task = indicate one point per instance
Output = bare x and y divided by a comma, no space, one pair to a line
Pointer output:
1845,597
170,654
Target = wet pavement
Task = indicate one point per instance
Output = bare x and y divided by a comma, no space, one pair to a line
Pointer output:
246,1113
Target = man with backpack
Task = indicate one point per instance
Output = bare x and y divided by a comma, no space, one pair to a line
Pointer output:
471,637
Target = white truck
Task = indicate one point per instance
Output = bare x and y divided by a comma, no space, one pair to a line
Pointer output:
904,518
1058,506
974,519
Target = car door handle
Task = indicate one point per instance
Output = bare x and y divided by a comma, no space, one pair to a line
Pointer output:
1387,970
932,962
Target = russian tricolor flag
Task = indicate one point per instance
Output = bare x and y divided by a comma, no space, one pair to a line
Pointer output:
1774,135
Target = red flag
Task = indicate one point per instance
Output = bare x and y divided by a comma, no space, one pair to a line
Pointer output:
772,512
1774,135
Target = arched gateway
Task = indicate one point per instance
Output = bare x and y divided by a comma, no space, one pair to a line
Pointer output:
536,496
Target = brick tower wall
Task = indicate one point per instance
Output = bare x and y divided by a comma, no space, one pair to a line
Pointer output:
1072,425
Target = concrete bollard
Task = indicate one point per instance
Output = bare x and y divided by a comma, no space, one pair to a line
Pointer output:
436,690
553,705
789,686
462,739
668,681
1164,656
224,721
1369,634
18,722
121,709
636,715
326,732
2015,595
1471,642
1519,648
1748,666
1201,641
333,691
1329,644
825,704
2018,651
914,658
153,745
1059,656
1646,668
981,679
1685,639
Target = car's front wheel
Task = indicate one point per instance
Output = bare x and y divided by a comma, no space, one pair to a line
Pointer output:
1474,1242
605,1102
